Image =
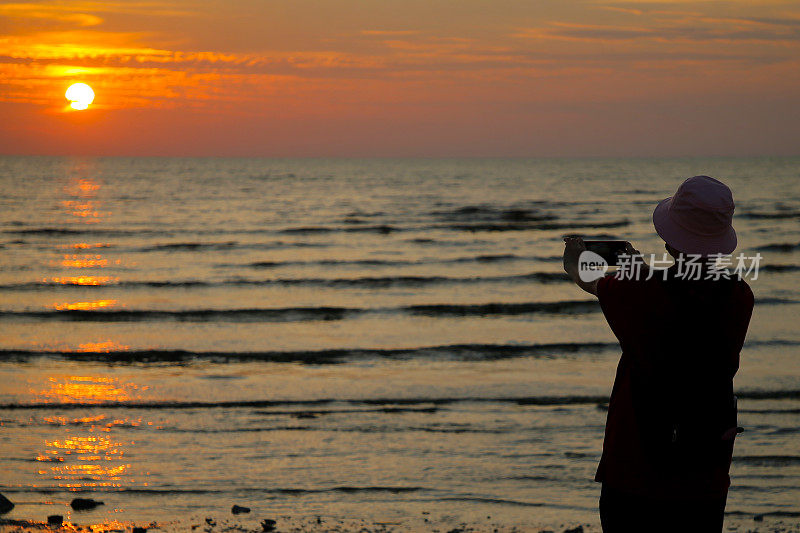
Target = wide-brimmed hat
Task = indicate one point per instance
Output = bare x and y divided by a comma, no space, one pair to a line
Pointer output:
697,219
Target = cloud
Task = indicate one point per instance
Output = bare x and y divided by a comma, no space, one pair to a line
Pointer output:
51,12
627,10
389,33
77,45
68,10
671,26
139,66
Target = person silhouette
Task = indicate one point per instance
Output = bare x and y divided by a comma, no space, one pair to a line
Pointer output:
672,418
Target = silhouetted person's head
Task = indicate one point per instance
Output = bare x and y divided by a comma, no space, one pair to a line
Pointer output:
697,219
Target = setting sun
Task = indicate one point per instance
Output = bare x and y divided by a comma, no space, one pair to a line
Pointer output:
80,96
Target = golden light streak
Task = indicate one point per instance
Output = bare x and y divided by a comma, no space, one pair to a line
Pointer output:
92,423
63,420
81,280
88,473
87,185
49,458
89,389
85,306
89,444
75,261
102,347
86,245
84,209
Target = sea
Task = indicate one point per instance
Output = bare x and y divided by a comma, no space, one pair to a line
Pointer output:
387,340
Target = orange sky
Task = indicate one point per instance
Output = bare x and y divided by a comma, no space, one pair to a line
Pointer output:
401,77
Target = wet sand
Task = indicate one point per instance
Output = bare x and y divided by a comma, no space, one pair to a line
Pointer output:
212,524
426,523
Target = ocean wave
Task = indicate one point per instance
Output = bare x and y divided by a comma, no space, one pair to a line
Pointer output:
778,215
779,268
313,413
468,224
775,301
767,460
524,226
290,314
374,282
779,247
197,246
503,220
772,412
560,307
476,499
346,489
771,342
484,258
470,211
775,514
784,394
107,232
189,246
485,213
391,403
298,314
383,229
461,352
261,404
354,429
301,314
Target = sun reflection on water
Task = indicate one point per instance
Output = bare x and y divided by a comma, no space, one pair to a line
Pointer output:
102,347
99,462
82,280
84,209
91,455
87,186
84,306
86,245
89,389
63,420
86,452
85,261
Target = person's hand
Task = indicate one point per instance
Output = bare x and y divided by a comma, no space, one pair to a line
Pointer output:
573,246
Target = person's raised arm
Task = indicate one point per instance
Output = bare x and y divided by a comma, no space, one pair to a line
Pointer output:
573,246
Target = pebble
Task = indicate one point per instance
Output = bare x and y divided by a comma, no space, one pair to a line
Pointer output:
5,504
238,509
83,504
55,520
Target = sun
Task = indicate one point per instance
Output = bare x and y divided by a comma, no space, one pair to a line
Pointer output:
80,96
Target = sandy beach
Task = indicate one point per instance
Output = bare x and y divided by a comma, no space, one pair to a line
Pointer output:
423,524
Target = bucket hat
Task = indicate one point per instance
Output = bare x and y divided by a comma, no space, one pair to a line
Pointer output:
697,219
